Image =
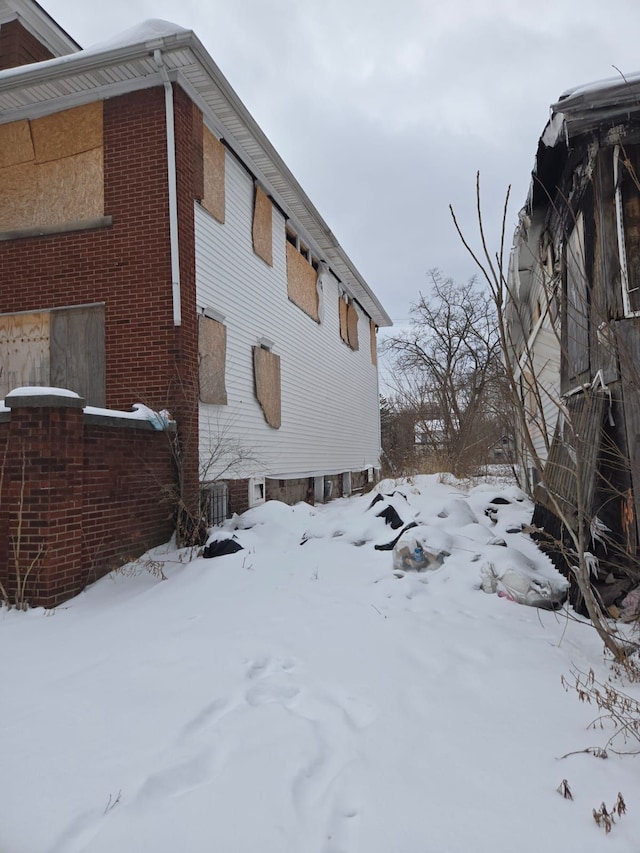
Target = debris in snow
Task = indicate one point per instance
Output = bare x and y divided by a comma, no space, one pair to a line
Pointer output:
159,420
492,514
512,575
422,549
221,547
564,790
458,512
391,517
389,546
630,606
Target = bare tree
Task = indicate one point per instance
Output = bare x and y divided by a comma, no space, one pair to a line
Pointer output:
570,454
446,370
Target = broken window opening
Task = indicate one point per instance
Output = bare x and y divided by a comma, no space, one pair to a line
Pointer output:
627,202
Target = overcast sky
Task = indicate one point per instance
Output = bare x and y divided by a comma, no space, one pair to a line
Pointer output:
385,109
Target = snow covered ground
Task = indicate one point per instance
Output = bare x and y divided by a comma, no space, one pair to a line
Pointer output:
299,697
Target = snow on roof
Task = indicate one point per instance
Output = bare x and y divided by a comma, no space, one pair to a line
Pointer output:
600,86
592,105
148,31
143,32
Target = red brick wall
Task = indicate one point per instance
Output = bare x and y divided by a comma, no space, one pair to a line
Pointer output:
238,496
128,265
78,498
19,47
127,483
188,129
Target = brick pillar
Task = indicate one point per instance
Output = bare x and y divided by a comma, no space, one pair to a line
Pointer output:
43,493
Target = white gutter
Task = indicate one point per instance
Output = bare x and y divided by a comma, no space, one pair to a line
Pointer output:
173,189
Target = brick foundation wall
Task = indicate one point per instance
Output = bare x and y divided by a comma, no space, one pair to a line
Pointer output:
238,496
80,495
19,47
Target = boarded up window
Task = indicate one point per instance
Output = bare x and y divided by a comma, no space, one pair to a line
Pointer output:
212,354
343,309
349,324
374,348
352,325
266,372
214,175
24,351
262,231
577,311
61,348
51,169
302,281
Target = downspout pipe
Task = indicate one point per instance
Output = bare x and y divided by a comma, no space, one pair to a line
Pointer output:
172,187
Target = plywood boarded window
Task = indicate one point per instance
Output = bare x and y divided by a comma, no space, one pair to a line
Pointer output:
343,311
266,372
352,325
214,157
374,347
262,231
212,354
61,348
51,169
348,321
302,282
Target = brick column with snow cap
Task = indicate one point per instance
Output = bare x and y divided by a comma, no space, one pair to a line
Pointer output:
42,495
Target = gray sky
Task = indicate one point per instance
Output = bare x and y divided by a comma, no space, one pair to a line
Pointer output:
384,111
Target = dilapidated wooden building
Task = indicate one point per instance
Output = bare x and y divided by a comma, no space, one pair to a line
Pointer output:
575,325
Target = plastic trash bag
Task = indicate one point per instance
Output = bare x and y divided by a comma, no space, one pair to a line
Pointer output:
421,549
522,584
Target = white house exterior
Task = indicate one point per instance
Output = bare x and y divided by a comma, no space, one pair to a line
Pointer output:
217,267
329,391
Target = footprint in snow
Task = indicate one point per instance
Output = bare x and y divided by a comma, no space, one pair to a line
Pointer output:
178,779
271,689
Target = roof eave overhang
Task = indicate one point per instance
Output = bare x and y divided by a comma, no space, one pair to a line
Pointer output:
591,108
45,87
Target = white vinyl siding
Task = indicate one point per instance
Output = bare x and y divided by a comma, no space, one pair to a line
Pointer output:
330,420
545,359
